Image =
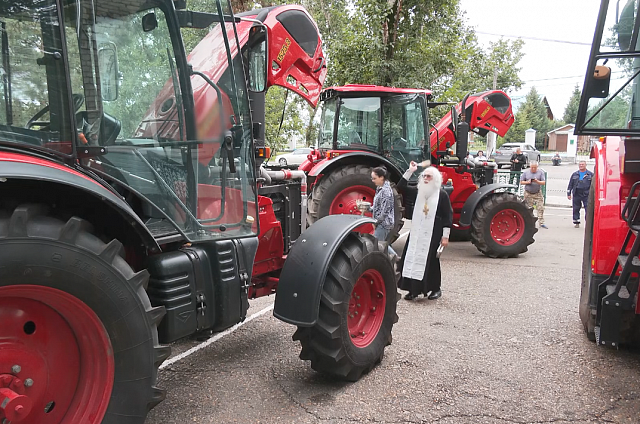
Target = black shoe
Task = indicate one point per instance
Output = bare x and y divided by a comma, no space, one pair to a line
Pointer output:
434,295
409,296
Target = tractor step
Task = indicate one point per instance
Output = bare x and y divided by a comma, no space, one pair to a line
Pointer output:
624,292
635,263
163,231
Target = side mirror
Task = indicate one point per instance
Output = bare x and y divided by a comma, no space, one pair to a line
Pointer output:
454,119
598,84
109,74
149,22
258,59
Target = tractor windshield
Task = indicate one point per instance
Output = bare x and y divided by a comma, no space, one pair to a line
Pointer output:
393,126
610,102
126,107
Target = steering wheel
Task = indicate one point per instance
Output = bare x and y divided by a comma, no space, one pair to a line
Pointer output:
78,101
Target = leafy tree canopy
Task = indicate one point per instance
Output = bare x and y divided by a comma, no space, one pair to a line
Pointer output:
571,111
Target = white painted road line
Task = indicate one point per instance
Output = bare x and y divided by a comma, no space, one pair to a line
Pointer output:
402,235
214,338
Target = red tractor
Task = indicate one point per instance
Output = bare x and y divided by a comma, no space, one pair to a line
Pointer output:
131,212
609,307
363,126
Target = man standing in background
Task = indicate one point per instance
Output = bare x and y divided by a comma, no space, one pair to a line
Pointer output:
533,179
518,160
579,185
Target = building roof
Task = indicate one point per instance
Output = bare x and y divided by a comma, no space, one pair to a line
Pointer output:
564,128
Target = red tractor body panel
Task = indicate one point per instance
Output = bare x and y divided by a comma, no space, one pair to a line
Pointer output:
17,157
490,110
463,186
611,191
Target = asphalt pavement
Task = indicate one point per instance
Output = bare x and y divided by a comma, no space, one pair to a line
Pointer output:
503,345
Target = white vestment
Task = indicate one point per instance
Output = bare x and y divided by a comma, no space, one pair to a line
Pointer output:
415,260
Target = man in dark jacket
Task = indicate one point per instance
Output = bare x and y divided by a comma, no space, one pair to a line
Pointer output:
579,185
518,160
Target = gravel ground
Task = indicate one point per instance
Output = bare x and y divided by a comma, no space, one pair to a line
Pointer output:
503,345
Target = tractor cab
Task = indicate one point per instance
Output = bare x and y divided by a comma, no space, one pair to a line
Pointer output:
390,122
106,87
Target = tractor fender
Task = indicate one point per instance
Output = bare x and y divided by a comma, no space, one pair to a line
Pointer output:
476,197
303,274
360,158
53,173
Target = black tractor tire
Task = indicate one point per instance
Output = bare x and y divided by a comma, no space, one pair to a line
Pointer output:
486,211
587,315
328,344
44,252
329,186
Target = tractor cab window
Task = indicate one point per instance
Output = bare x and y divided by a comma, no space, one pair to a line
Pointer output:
359,123
325,135
403,129
610,101
197,171
33,91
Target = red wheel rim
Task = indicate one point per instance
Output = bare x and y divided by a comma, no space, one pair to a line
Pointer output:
507,227
345,203
56,355
366,308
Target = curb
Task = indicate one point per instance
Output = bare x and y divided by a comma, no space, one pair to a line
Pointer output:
557,206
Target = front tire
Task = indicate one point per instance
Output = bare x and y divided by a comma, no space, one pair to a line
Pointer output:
587,316
357,310
78,320
282,162
337,192
502,226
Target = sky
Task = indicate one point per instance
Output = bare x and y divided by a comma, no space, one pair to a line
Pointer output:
553,67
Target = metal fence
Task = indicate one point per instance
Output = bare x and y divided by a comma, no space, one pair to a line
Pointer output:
513,177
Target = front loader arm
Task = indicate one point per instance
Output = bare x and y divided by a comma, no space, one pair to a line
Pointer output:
484,112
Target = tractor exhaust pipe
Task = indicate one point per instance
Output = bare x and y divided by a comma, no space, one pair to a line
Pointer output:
286,174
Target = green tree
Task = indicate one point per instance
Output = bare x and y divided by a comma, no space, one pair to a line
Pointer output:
293,124
477,72
531,114
571,111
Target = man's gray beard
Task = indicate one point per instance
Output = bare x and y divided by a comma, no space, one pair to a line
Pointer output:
426,190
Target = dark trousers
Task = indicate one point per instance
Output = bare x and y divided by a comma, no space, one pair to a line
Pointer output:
579,201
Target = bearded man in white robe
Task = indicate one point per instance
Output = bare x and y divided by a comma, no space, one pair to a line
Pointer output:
431,222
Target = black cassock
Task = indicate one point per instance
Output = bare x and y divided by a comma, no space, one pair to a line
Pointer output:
444,218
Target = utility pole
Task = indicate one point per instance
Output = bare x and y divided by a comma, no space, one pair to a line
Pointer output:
491,136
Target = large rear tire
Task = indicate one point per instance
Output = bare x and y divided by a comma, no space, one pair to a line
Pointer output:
77,321
502,226
337,192
587,315
357,310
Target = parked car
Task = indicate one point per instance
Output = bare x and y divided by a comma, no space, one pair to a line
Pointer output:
294,158
502,155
